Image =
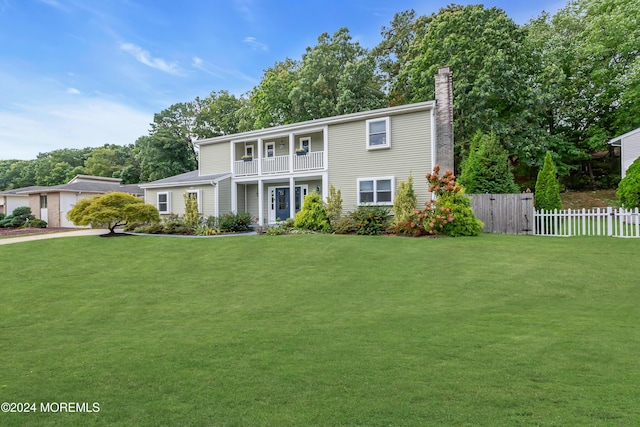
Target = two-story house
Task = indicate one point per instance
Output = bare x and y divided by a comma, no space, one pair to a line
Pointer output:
268,172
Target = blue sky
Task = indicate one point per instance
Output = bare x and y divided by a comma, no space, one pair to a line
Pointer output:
78,73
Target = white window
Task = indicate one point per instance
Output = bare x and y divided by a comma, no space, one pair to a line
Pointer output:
378,133
305,144
376,191
248,150
164,203
270,148
196,195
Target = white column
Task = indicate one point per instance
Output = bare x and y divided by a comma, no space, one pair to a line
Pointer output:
292,141
234,196
260,203
325,160
216,200
325,186
260,156
292,197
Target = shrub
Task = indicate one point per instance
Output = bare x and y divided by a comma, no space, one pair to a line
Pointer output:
428,221
18,217
173,224
629,187
371,220
275,231
405,201
156,228
2,215
487,168
36,223
451,196
211,221
345,225
202,229
313,215
464,223
23,211
232,222
6,222
334,205
547,194
191,214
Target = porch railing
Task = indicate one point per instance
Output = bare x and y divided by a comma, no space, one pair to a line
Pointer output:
280,164
310,161
277,164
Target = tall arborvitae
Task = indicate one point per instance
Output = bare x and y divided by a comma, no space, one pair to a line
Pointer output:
487,168
547,195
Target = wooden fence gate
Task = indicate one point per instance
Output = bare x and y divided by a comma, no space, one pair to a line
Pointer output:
504,213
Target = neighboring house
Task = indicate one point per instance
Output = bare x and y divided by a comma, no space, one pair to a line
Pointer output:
629,144
52,203
11,199
268,172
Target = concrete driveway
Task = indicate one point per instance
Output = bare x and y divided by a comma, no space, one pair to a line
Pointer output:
83,232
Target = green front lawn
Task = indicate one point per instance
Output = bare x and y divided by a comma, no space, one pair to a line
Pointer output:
323,330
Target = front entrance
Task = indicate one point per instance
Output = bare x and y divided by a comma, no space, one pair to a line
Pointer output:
280,200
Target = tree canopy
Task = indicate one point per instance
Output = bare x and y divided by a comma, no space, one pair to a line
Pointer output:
565,83
112,210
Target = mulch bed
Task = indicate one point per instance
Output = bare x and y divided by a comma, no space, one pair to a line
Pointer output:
30,231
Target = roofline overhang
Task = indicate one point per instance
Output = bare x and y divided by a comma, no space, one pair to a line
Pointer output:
185,183
303,126
617,141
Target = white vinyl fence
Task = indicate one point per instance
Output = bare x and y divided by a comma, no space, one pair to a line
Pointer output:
608,221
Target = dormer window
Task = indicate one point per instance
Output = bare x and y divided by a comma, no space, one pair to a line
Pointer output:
378,133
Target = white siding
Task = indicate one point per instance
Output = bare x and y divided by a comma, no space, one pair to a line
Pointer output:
630,151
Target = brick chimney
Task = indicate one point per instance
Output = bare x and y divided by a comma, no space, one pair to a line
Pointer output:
444,119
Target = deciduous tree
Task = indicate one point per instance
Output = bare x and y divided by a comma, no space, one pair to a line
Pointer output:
112,210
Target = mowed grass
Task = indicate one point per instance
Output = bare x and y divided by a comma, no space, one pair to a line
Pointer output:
323,330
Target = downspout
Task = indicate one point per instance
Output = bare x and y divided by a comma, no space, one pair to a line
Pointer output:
216,208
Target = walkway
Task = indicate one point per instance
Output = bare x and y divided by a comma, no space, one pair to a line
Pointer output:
83,232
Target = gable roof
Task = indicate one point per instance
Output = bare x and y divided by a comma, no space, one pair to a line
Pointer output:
618,139
401,109
188,178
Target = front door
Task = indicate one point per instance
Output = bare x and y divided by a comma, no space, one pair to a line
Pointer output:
282,203
280,200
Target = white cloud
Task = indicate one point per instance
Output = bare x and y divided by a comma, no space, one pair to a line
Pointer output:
145,57
245,7
219,72
255,44
53,3
27,130
73,91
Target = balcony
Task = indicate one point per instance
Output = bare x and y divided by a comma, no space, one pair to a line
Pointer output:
280,164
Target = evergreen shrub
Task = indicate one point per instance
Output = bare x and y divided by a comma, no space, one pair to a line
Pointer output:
547,193
629,187
313,215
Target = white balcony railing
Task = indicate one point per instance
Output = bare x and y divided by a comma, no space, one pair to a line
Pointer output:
280,164
277,164
310,161
245,168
